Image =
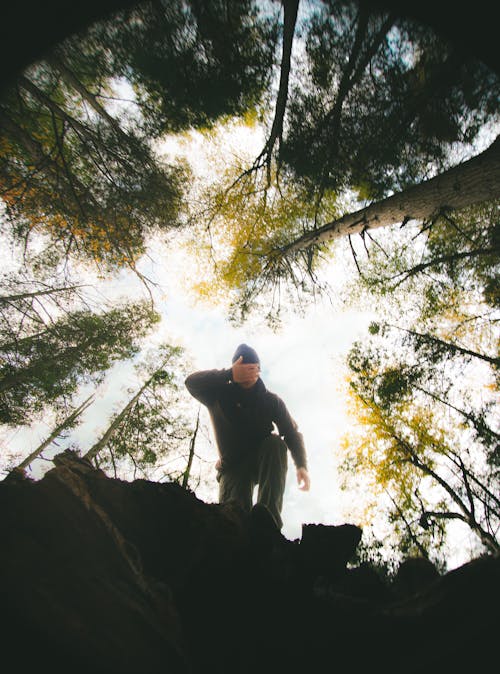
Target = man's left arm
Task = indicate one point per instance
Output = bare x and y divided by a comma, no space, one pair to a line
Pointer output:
288,429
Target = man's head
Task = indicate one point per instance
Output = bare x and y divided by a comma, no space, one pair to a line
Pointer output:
246,366
248,354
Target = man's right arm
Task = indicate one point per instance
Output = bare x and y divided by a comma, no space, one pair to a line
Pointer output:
204,385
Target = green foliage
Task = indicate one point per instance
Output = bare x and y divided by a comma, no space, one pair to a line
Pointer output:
424,383
247,218
376,104
204,59
45,367
88,177
382,100
151,429
78,177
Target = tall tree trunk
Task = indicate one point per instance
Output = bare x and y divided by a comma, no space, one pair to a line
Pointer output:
6,299
290,9
55,433
112,428
470,183
100,444
187,472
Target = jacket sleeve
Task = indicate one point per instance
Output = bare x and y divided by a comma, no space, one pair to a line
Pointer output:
204,385
289,431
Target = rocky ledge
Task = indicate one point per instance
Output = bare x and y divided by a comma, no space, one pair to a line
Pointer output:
100,575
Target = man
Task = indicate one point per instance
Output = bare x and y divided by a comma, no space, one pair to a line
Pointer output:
244,415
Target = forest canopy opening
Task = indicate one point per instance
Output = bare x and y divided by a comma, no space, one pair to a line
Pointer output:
320,177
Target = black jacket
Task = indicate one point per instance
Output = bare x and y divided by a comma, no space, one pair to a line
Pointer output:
242,418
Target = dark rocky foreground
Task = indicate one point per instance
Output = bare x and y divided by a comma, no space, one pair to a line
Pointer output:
103,576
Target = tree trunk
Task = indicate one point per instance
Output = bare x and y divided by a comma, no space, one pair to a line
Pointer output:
470,183
290,9
187,472
73,82
6,299
55,433
111,430
100,444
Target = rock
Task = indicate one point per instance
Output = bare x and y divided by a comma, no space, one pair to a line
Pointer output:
414,575
102,576
325,550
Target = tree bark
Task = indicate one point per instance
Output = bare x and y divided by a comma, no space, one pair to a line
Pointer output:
7,299
100,444
470,183
187,472
290,9
55,433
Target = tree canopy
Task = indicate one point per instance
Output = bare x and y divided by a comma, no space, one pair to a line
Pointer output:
423,385
376,128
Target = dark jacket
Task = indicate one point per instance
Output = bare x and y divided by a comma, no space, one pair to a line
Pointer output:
242,418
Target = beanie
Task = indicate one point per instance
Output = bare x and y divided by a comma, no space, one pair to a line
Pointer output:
249,354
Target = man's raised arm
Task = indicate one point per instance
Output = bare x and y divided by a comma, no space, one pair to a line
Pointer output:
203,385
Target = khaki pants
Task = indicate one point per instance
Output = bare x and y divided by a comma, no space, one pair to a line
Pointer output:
237,484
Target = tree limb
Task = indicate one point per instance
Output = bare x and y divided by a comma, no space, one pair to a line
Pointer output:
472,182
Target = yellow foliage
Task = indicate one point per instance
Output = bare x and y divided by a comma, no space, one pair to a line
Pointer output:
381,446
247,220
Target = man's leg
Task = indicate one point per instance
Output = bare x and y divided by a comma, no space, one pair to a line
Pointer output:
273,463
236,486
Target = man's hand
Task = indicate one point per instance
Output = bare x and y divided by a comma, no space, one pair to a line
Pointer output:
303,479
245,374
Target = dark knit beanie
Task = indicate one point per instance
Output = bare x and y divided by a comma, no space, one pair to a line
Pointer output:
249,354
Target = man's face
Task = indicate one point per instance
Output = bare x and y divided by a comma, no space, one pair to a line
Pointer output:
245,374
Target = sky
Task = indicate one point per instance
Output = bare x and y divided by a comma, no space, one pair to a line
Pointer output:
303,362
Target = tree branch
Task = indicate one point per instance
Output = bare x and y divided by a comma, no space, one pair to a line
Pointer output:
472,182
